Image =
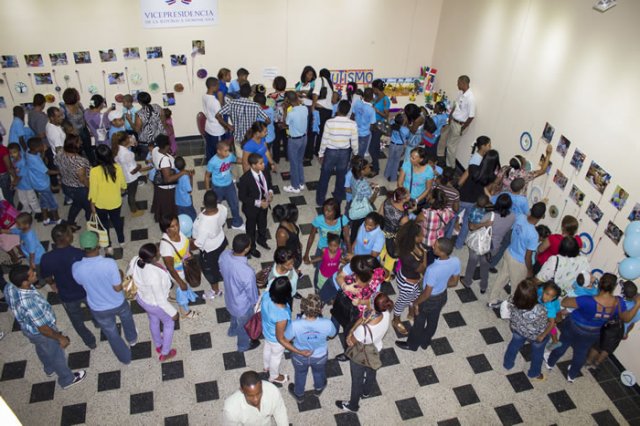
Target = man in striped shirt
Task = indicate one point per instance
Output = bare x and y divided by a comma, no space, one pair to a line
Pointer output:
339,140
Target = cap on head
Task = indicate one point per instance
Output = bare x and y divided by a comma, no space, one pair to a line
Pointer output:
115,114
88,240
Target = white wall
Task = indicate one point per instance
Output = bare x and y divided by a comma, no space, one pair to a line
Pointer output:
542,60
394,37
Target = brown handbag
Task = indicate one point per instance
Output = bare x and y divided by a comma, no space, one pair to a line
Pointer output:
367,354
191,265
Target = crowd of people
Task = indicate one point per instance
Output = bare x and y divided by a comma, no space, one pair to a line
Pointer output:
411,240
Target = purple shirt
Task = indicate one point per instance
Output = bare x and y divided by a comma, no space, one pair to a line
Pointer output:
93,120
240,290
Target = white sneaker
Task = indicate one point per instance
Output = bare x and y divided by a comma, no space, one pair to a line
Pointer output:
301,187
79,376
569,379
239,228
291,189
1,335
209,294
545,356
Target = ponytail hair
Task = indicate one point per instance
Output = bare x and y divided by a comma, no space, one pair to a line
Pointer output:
256,127
352,86
146,254
479,143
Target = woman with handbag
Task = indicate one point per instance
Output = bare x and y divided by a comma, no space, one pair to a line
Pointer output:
381,105
417,176
395,211
283,266
98,121
564,267
148,124
321,96
288,232
365,343
175,252
153,284
592,315
74,175
165,179
434,220
363,193
500,221
74,113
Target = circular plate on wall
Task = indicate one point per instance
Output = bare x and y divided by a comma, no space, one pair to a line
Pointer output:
627,378
587,243
136,78
201,73
597,273
526,141
535,195
93,89
20,87
119,98
50,98
178,87
553,211
154,87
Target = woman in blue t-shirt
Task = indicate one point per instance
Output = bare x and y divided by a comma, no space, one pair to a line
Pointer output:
254,143
416,175
581,330
381,106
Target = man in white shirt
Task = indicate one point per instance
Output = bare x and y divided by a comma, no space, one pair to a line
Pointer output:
255,404
460,118
53,130
339,141
213,130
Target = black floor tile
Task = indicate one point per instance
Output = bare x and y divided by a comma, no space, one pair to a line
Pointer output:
118,253
207,391
179,420
13,370
479,363
491,335
141,403
285,176
466,395
562,401
306,228
16,326
74,414
200,185
139,234
387,288
198,161
233,360
388,357
304,282
441,346
53,298
508,415
298,200
222,315
605,418
426,375
276,190
109,381
564,368
313,185
311,402
141,351
519,382
606,371
616,390
628,407
409,408
333,368
347,419
42,391
78,360
466,295
172,370
449,422
454,319
200,341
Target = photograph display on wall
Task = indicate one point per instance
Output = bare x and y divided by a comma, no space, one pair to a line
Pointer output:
108,55
197,47
594,212
576,195
9,61
116,78
613,232
635,213
619,197
34,60
598,177
577,160
58,59
168,99
154,52
547,133
563,146
131,53
541,162
178,60
560,179
43,78
82,57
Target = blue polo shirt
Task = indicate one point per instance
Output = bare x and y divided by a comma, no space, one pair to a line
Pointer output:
438,274
98,275
381,104
21,170
234,86
113,130
365,116
367,242
37,172
297,119
523,237
253,147
29,244
183,192
630,304
311,335
220,169
399,137
519,203
271,315
18,130
271,131
131,111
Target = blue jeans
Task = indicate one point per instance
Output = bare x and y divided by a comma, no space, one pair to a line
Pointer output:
363,144
47,200
393,162
338,160
52,357
580,339
211,145
188,210
537,351
464,228
107,321
230,195
295,153
79,201
301,365
76,316
236,328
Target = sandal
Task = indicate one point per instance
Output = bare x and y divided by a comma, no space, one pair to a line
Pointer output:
190,315
400,328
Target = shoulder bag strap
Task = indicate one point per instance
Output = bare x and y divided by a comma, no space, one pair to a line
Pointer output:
411,179
174,247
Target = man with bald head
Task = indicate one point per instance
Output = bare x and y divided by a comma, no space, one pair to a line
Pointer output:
256,403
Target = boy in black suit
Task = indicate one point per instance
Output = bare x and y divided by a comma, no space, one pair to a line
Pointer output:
255,193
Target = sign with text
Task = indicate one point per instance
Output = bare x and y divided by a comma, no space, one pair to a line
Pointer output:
178,13
342,77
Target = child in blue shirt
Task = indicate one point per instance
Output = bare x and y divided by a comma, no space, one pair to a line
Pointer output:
365,117
183,191
39,178
219,174
399,136
479,209
519,202
234,86
29,243
261,100
128,113
583,286
26,194
370,238
117,122
548,295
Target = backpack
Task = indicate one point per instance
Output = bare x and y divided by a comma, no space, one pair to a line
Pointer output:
480,240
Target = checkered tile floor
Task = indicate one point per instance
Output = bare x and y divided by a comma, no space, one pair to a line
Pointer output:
458,380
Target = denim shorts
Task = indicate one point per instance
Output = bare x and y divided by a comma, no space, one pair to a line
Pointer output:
47,201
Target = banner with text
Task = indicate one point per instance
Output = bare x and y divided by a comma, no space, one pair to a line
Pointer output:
342,77
178,13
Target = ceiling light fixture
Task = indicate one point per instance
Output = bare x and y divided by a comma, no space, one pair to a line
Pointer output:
604,5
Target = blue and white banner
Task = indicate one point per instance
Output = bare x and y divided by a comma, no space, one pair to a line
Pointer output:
178,13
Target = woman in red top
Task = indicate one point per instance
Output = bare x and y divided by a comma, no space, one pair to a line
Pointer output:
550,246
6,173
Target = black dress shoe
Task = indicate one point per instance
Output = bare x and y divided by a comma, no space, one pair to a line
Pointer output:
342,358
297,295
263,244
493,270
404,345
255,253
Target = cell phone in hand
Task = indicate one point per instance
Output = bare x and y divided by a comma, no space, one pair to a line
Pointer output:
113,105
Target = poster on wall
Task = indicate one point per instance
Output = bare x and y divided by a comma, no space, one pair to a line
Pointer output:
577,161
613,232
635,213
563,146
360,76
594,212
9,61
576,195
107,55
619,197
402,86
178,13
197,47
168,99
43,78
154,52
116,78
560,179
178,60
547,133
598,177
58,59
131,53
34,60
83,57
429,76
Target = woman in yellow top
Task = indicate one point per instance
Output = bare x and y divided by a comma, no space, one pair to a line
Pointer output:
106,183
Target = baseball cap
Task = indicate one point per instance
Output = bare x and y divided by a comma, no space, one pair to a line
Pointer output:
115,114
88,240
311,305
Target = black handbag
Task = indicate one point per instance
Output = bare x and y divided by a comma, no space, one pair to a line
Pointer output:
344,312
612,331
